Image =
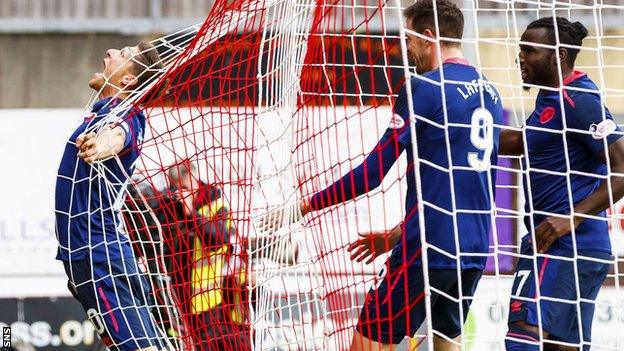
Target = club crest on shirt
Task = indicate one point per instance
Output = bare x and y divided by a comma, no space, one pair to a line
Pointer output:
89,117
602,129
396,122
547,114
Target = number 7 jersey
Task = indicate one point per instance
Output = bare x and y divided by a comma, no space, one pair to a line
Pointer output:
567,138
457,133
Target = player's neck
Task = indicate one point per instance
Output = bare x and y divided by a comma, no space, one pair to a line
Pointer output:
107,93
450,52
555,82
565,73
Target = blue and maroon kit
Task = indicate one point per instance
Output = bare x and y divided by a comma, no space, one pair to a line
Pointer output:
98,259
450,164
576,119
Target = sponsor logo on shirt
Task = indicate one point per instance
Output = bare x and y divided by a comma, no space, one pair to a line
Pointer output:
396,122
602,129
516,306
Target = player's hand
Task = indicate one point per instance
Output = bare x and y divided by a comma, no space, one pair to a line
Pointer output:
87,147
280,217
372,244
551,229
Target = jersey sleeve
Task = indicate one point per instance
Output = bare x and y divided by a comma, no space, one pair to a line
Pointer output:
365,177
421,103
132,129
588,122
369,175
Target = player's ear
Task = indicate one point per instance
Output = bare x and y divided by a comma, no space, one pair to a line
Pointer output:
128,80
563,56
429,34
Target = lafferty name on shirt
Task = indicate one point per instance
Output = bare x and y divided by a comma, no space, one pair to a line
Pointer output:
475,86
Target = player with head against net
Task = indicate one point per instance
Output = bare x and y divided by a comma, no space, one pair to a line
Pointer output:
571,138
96,164
456,109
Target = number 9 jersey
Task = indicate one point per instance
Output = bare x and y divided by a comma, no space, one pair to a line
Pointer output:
457,118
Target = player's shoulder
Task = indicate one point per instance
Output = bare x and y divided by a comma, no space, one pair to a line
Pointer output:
579,79
424,93
454,71
129,111
423,84
581,100
464,74
132,117
580,92
462,71
136,114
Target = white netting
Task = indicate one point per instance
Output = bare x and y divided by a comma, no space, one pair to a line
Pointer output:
323,75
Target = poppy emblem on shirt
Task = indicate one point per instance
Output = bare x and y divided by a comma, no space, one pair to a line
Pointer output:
547,115
396,122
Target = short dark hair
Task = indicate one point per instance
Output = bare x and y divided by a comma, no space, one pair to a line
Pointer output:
569,34
450,19
146,64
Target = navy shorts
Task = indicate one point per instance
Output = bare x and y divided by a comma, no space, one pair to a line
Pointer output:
116,299
556,279
396,307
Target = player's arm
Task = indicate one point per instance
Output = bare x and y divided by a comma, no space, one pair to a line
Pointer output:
553,228
586,115
362,179
600,199
94,147
371,172
511,143
365,177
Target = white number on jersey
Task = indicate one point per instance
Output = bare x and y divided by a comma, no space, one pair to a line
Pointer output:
482,137
524,274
